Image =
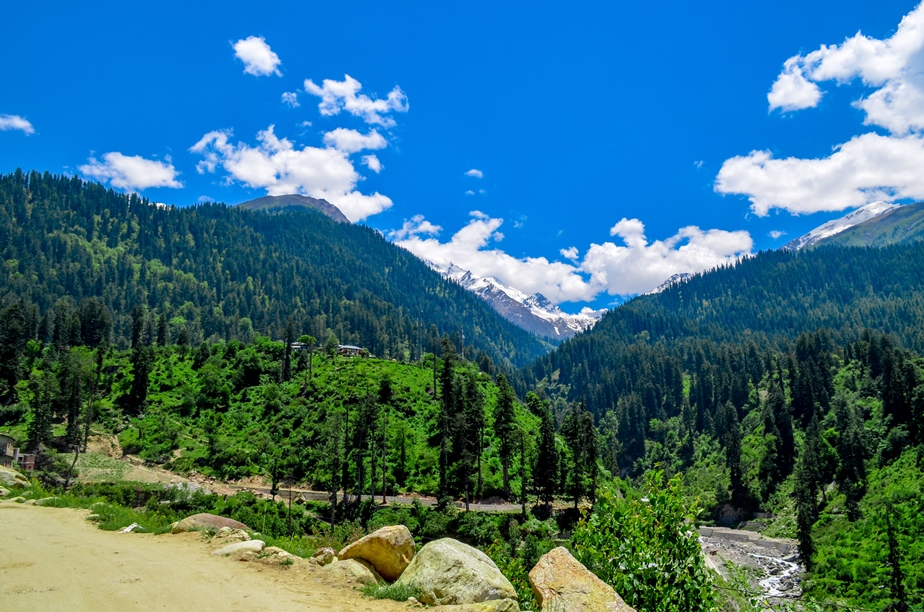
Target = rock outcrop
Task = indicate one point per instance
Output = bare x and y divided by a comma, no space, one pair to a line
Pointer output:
206,521
389,550
495,605
561,582
352,571
12,478
248,546
448,572
324,556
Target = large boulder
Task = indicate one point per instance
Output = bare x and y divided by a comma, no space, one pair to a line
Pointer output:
248,546
448,572
325,556
561,582
389,550
204,521
352,571
11,478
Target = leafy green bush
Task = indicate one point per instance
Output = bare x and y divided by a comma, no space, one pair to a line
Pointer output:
647,548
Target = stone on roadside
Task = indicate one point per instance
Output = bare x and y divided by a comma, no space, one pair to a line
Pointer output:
205,521
45,501
19,500
232,535
31,502
495,605
389,550
325,556
352,571
249,546
448,572
4,492
561,582
11,478
275,550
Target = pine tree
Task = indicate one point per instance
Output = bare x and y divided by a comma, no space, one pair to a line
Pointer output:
546,472
807,486
504,427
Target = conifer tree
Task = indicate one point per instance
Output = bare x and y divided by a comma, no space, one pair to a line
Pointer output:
545,474
504,428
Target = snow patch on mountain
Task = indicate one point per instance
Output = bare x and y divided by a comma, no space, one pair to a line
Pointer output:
836,226
673,280
534,313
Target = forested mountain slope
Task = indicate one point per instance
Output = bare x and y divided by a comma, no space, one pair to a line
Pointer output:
212,271
901,224
759,303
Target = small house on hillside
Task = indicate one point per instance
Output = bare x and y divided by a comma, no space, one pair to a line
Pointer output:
10,455
348,350
7,452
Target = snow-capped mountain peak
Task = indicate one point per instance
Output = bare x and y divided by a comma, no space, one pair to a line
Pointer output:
673,280
535,313
836,226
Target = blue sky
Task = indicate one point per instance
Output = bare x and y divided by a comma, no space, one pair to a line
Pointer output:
614,144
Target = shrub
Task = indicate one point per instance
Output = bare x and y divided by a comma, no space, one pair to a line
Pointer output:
647,548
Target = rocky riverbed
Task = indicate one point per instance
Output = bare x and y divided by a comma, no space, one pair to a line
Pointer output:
772,565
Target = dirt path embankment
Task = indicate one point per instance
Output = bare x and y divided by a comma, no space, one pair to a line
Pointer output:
54,559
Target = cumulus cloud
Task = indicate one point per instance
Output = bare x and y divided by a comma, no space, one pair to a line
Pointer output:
344,95
635,267
776,234
868,167
15,122
415,226
131,173
372,162
277,165
640,266
469,192
792,91
894,66
258,58
291,98
475,173
351,141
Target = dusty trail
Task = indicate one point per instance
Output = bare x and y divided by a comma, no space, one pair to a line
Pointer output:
54,559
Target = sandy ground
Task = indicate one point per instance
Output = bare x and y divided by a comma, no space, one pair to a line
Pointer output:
54,559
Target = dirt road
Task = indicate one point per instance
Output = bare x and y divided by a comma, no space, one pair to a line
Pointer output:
54,559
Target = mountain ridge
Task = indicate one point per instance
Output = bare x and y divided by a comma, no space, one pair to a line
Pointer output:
293,200
534,313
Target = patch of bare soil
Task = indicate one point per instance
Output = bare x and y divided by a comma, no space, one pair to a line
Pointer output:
53,559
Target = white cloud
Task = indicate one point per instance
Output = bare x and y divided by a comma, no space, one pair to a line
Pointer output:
619,270
131,173
791,91
344,95
416,226
291,98
258,58
351,141
776,234
373,163
276,165
469,192
699,163
894,66
868,167
475,173
15,122
639,267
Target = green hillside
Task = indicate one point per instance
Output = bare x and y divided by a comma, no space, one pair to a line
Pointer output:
214,272
904,224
